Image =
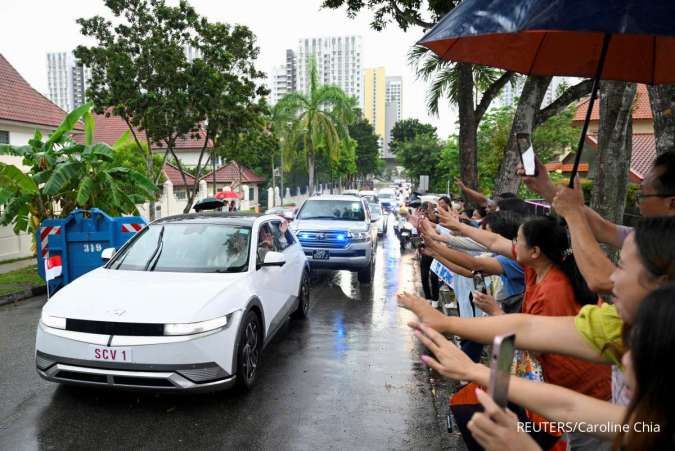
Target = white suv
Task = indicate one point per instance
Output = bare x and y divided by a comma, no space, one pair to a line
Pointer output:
337,232
188,304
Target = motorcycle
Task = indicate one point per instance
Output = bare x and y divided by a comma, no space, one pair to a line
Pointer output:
405,232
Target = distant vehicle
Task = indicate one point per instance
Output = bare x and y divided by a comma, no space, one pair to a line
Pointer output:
288,213
189,303
387,199
338,232
350,192
380,217
371,196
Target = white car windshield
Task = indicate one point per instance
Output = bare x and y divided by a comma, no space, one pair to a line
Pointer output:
343,210
187,247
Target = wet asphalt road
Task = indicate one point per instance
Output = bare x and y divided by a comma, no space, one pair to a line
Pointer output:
349,377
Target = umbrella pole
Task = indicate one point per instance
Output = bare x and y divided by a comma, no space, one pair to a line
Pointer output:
594,95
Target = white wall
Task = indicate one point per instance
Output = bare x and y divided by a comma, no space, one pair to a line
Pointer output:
12,245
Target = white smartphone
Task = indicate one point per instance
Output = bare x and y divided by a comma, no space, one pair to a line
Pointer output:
500,368
526,151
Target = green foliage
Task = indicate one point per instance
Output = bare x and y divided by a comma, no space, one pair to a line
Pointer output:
551,139
64,174
315,124
367,149
140,72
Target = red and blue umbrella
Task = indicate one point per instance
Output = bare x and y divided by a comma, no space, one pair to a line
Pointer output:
623,40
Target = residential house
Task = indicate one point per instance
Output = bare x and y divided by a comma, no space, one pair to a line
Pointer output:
644,143
22,111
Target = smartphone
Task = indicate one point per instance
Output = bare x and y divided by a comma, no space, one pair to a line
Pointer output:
479,282
500,368
526,151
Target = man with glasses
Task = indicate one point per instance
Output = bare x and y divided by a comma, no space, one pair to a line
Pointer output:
587,228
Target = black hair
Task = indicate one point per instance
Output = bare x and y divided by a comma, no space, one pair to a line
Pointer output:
507,195
445,199
482,211
504,223
468,212
650,340
548,233
665,183
655,240
515,204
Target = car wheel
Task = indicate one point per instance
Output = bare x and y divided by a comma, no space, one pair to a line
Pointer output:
248,354
303,299
366,274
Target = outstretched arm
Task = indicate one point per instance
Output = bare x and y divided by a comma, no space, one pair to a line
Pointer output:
474,196
549,334
493,241
593,263
552,402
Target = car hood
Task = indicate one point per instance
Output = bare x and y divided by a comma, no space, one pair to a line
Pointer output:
148,297
321,225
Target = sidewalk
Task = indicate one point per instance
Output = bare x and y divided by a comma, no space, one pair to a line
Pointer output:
19,264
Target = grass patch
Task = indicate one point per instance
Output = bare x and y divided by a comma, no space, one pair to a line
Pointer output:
20,279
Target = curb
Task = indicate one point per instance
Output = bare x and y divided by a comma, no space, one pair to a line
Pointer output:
21,295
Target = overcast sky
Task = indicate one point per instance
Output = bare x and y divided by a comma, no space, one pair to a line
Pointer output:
31,28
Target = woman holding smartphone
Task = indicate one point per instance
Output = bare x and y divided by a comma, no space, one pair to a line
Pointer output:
648,423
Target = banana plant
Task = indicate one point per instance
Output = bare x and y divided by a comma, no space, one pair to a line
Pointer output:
63,175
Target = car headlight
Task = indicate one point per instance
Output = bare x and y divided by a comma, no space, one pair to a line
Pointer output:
53,321
359,236
196,328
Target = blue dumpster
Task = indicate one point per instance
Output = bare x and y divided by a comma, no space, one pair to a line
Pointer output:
79,240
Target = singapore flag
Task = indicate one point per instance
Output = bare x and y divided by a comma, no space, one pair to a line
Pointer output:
53,267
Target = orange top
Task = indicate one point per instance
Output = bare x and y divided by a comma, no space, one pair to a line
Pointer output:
554,296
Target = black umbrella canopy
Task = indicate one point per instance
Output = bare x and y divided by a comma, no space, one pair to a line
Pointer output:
624,40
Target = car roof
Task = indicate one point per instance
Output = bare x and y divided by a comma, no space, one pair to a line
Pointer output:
231,218
347,197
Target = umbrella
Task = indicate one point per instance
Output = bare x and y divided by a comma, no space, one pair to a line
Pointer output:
227,195
209,203
623,40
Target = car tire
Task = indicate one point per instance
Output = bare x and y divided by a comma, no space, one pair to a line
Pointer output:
249,351
366,274
303,299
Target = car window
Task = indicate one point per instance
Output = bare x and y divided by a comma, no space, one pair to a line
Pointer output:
281,235
187,247
343,210
266,241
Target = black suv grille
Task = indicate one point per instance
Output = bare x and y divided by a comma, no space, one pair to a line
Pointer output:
113,328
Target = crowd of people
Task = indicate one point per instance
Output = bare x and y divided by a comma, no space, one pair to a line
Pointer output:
593,336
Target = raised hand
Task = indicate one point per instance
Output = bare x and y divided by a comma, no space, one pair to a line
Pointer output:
448,359
568,200
425,312
496,429
487,303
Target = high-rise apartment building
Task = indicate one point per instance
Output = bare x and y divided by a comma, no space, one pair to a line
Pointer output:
282,79
338,62
67,80
393,111
374,97
511,92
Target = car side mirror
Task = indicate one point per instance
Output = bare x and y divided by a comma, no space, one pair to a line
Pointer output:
372,219
289,215
107,253
274,259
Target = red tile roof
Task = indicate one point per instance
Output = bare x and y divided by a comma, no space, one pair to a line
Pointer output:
643,155
173,174
230,174
566,167
641,107
109,129
19,102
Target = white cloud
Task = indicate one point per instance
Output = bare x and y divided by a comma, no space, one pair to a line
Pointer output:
41,26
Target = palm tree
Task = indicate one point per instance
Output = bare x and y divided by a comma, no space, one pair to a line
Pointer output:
317,120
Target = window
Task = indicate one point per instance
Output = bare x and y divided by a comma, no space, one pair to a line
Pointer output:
4,137
181,195
282,237
251,194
